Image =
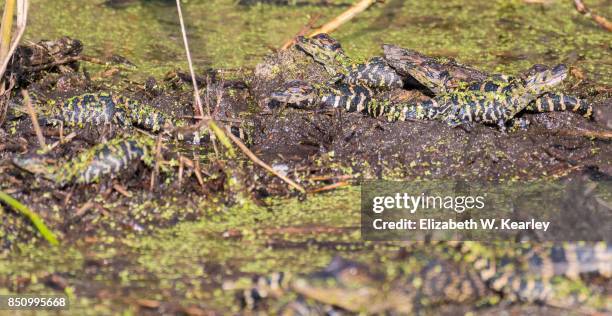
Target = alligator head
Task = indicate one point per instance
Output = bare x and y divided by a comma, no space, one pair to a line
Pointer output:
297,94
324,50
35,165
540,78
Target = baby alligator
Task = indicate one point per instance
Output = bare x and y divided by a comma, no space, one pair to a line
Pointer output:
437,75
374,73
451,78
464,94
494,101
102,108
462,273
299,94
101,160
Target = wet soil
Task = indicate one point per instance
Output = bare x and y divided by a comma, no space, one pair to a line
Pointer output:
102,224
169,250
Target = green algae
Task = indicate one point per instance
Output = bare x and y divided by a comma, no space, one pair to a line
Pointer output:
193,259
189,262
500,35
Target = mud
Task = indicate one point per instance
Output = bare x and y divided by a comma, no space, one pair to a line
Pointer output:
315,147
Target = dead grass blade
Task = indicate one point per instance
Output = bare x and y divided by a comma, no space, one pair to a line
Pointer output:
22,18
34,218
196,94
224,138
600,20
34,118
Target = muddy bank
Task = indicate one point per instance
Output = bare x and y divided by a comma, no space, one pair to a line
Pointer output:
169,249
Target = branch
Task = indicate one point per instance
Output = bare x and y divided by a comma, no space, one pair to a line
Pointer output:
258,161
600,20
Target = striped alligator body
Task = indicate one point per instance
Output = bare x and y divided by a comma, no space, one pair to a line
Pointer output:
105,159
494,102
90,108
108,159
461,272
473,93
300,94
374,73
525,272
102,108
463,94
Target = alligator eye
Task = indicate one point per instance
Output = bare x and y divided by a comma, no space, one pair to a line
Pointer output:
559,68
322,37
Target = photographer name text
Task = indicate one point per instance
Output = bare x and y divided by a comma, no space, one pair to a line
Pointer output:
451,224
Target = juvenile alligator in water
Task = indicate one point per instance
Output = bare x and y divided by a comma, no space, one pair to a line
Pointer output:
452,272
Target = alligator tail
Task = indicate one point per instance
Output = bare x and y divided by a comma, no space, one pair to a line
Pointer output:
528,277
572,260
262,287
550,102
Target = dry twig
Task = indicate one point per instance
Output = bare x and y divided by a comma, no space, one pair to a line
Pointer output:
264,165
32,113
62,140
122,190
600,20
198,174
184,161
313,19
199,110
158,157
329,187
606,135
332,177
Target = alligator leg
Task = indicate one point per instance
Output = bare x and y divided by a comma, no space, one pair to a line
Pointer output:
550,102
273,285
519,123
